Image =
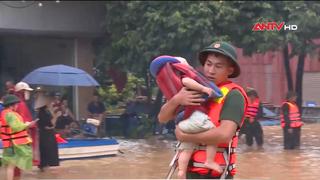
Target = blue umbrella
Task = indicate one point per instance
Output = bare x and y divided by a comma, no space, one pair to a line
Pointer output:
60,75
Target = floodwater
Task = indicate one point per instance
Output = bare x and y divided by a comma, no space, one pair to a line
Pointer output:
149,159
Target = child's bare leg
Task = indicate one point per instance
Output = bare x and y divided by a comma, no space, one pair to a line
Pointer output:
211,152
183,161
10,172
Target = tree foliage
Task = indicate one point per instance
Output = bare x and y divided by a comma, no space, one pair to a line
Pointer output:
112,98
138,31
306,15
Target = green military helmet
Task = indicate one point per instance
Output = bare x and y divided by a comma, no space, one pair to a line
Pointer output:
249,89
223,48
251,92
10,99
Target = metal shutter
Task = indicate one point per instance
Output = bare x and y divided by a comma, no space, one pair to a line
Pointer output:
311,87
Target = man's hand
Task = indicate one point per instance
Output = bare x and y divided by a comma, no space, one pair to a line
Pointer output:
183,97
188,97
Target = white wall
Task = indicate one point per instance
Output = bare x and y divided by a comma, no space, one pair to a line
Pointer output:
71,18
35,36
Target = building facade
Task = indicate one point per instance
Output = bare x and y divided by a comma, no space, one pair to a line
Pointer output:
266,73
32,36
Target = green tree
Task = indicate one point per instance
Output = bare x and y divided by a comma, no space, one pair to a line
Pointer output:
303,14
307,16
112,98
139,31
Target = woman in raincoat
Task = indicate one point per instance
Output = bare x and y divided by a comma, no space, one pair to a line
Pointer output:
17,151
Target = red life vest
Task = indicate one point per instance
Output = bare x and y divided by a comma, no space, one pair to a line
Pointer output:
252,110
294,116
9,137
169,72
225,155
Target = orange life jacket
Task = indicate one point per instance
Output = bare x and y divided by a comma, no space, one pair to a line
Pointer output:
252,110
8,137
225,155
294,116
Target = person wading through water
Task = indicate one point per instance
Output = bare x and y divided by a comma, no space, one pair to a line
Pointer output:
219,61
17,151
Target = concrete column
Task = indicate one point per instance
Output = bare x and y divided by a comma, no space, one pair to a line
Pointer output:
76,89
83,56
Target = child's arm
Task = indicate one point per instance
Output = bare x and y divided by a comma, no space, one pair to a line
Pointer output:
194,85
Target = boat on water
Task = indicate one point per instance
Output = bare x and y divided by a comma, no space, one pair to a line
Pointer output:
269,118
85,148
270,122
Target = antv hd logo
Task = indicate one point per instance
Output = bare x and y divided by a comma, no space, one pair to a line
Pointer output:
274,26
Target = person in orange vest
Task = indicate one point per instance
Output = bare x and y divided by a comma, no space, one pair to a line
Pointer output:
17,152
219,61
290,120
252,126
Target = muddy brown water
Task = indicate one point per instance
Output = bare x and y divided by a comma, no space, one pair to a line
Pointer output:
149,159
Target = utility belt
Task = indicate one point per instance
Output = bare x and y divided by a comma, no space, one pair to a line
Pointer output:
226,172
221,150
201,165
226,153
297,120
13,138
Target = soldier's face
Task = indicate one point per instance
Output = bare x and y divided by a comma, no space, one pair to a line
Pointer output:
217,68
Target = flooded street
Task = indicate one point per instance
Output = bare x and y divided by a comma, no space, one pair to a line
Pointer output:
275,163
149,159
